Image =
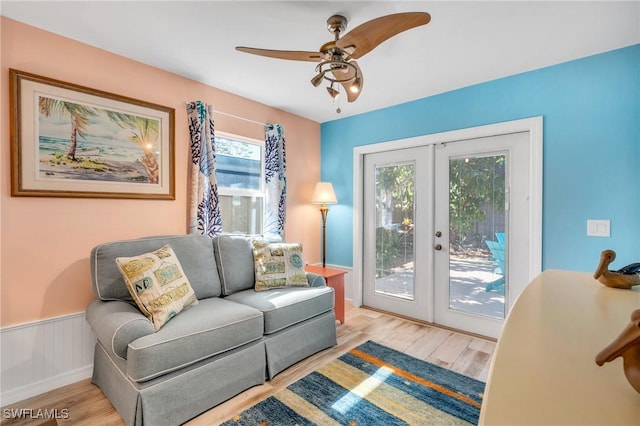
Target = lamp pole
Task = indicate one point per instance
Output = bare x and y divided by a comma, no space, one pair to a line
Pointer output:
323,211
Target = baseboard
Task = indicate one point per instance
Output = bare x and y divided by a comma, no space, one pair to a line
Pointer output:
25,392
44,355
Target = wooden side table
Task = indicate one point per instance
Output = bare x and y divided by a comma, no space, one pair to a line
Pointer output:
335,280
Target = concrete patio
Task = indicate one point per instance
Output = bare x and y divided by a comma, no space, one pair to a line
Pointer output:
468,280
469,277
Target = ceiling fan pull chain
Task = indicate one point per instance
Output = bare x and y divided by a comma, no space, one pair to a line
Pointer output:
336,100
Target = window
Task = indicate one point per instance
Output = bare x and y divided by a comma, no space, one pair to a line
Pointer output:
240,177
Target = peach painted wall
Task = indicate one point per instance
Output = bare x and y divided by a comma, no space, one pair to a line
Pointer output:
45,242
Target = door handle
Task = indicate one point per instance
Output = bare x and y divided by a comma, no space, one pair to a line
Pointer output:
438,247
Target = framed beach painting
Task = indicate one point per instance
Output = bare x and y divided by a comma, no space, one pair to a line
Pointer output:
73,141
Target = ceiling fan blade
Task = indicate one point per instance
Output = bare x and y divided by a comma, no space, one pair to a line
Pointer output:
349,74
364,38
294,55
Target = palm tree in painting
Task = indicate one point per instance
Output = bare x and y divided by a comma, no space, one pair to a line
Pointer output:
79,115
144,132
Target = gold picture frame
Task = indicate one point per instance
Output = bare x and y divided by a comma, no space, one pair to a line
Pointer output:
72,141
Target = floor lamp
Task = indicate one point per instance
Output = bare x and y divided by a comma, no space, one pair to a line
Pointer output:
323,194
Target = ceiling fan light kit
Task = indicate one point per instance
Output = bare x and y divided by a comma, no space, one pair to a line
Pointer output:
333,92
337,57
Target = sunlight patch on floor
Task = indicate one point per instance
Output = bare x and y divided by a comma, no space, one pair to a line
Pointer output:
361,391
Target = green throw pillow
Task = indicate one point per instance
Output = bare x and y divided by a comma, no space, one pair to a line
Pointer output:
157,284
278,265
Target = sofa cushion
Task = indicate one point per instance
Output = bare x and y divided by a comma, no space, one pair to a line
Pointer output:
234,256
157,284
211,327
287,306
278,265
194,251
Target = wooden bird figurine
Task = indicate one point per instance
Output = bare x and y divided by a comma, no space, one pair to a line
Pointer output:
626,345
626,277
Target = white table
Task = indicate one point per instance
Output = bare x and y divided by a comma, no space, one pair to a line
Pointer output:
543,371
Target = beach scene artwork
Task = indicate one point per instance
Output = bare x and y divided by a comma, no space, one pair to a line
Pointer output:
83,142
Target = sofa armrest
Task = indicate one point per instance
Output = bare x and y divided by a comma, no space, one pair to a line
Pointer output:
117,323
315,280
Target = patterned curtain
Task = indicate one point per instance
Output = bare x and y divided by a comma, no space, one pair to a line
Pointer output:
275,182
204,213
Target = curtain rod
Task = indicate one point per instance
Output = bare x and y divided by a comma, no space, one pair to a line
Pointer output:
239,118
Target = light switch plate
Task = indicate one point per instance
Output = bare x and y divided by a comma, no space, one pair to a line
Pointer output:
598,228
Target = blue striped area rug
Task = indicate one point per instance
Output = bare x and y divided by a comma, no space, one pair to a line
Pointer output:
371,385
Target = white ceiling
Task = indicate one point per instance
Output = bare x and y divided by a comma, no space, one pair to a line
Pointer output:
466,42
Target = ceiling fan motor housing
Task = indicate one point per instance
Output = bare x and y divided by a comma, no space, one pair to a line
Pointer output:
336,24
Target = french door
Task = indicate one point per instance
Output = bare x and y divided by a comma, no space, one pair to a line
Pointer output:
397,191
446,231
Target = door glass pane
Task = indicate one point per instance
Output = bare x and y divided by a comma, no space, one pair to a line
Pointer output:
477,243
394,188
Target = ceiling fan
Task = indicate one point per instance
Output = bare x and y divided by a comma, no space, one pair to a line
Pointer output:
336,58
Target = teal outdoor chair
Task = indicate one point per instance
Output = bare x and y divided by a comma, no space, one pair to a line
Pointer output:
497,251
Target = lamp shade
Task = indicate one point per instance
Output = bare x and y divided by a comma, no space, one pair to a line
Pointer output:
324,194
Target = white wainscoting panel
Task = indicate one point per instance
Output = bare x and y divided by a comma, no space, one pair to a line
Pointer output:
349,286
43,355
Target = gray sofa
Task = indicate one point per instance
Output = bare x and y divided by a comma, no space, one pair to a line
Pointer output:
232,339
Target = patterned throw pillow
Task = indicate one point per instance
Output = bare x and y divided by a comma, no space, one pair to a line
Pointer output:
278,265
158,284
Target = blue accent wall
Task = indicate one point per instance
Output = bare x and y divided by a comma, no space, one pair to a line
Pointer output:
591,137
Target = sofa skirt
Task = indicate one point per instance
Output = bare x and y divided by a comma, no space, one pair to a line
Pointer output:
178,397
296,343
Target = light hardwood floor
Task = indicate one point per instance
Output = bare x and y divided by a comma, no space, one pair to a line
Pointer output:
465,354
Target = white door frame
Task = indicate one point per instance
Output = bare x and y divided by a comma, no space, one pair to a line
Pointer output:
532,125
